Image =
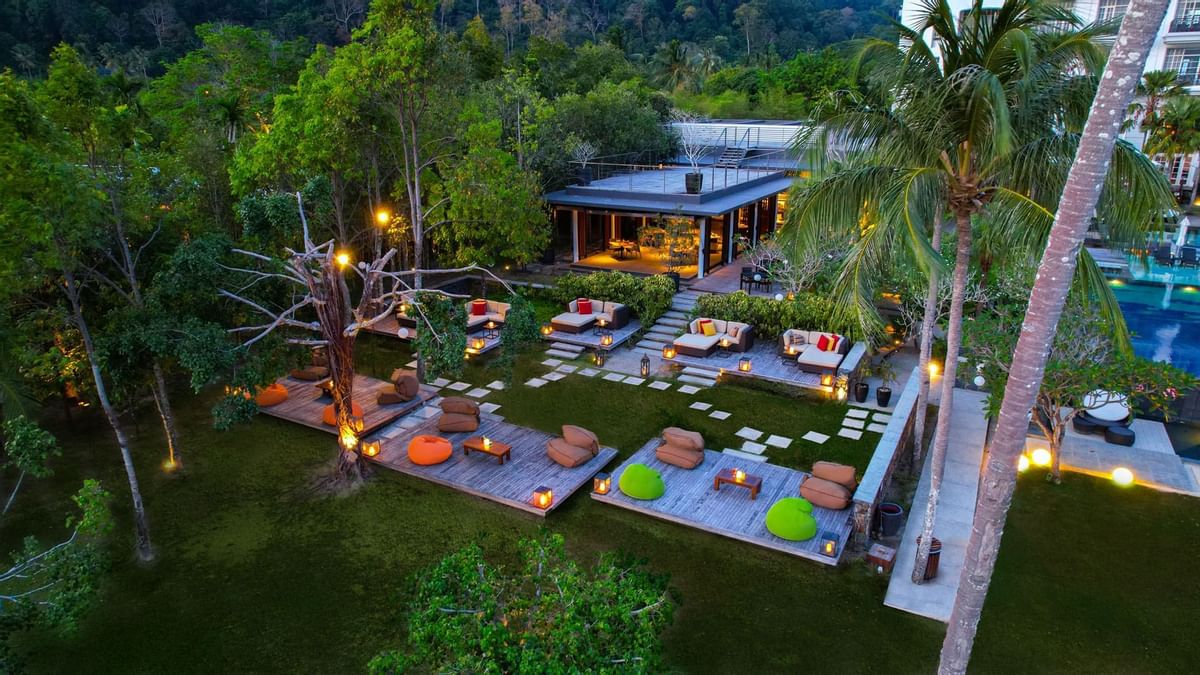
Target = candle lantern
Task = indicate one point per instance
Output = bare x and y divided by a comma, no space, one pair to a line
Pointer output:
829,544
606,340
600,357
744,364
547,329
371,448
543,497
645,365
601,483
668,351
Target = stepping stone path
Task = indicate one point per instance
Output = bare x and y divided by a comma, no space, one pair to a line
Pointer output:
850,433
459,386
614,377
700,405
440,382
558,353
496,384
750,457
553,377
479,392
698,376
854,424
564,350
749,434
589,372
858,413
661,386
756,448
719,415
635,381
882,417
489,408
815,437
778,441
428,411
877,428
535,382
552,363
688,389
567,368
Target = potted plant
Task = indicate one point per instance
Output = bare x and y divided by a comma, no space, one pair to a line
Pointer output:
693,146
861,386
582,152
677,230
886,373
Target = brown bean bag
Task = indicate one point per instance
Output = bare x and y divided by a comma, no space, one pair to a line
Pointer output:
387,396
825,493
681,448
328,416
272,394
459,404
429,450
681,438
566,454
581,438
310,373
456,422
841,474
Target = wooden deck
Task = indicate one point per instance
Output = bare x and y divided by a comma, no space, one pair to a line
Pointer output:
765,365
728,278
589,340
690,500
305,404
650,263
512,483
389,327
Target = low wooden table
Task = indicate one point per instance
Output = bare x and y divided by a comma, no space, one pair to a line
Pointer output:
497,449
725,476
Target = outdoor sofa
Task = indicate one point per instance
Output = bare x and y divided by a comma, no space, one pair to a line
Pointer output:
480,311
704,335
584,312
816,351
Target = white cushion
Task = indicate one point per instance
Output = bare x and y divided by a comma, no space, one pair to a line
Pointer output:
697,341
820,359
574,319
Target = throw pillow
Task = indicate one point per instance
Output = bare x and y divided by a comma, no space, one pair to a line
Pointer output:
478,307
707,327
823,343
585,306
833,342
733,332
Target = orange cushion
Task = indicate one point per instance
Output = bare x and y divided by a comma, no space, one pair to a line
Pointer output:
733,332
328,416
272,394
429,450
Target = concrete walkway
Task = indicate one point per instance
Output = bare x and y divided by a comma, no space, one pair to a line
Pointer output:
956,509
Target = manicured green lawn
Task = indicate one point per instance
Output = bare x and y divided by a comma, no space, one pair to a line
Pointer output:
257,574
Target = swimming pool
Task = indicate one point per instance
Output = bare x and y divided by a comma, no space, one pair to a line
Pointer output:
1164,321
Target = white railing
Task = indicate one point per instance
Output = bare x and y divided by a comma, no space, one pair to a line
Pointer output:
734,135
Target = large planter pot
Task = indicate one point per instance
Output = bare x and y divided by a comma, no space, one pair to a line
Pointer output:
860,391
891,519
584,176
694,182
883,396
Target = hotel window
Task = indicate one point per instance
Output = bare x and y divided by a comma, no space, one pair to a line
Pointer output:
1111,9
1187,16
1184,61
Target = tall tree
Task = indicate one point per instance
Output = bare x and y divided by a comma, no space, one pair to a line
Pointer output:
1081,196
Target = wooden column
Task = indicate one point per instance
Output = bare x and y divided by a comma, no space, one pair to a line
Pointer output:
754,223
701,257
575,235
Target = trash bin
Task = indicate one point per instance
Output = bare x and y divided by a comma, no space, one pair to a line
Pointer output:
891,518
935,554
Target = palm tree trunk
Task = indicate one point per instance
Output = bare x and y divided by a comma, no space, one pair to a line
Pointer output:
928,321
1078,204
941,433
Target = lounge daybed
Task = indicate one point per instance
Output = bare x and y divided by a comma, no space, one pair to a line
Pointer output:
403,388
816,351
830,486
584,312
705,335
1107,414
458,414
576,446
681,448
480,311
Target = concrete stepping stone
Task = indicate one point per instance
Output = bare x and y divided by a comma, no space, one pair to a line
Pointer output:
553,377
756,448
496,384
489,407
428,411
695,380
635,381
877,428
858,413
439,383
589,372
719,415
776,441
614,377
815,437
850,433
750,457
659,385
749,434
459,386
535,382
700,405
882,417
558,353
854,424
479,392
567,368
688,389
553,363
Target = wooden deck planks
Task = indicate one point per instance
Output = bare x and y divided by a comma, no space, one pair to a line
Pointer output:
690,500
765,365
512,483
389,327
588,340
305,404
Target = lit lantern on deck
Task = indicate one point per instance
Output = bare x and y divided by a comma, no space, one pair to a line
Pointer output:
668,351
487,443
371,448
600,357
842,388
829,544
739,475
478,344
543,497
744,364
547,329
606,340
490,325
645,365
601,483
356,424
827,380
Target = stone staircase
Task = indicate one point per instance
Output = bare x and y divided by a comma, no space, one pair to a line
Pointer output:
669,326
562,350
731,158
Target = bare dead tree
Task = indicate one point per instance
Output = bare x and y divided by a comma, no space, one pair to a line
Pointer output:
594,17
347,13
161,17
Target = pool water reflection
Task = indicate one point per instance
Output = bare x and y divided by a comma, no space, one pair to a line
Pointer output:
1164,321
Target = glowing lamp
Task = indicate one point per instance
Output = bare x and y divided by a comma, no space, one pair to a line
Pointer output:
744,364
170,465
842,388
382,216
724,343
547,329
1122,476
478,344
668,351
1041,457
739,475
490,325
600,357
1022,464
606,339
791,296
602,322
371,448
933,368
829,544
342,259
779,297
645,371
404,308
827,380
487,443
543,497
356,424
601,483
348,439
790,350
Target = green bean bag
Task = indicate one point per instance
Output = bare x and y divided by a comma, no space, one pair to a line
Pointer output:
641,482
791,518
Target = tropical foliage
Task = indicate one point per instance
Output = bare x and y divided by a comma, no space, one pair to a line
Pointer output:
648,297
770,317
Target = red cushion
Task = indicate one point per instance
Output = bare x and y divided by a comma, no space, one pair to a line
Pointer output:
478,307
584,306
833,343
823,343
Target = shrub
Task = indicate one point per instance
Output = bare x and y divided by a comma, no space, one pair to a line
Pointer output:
648,297
771,317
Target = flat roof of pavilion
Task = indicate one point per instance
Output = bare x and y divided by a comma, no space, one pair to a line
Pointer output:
663,191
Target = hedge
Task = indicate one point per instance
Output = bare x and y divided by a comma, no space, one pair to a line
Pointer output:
648,297
771,317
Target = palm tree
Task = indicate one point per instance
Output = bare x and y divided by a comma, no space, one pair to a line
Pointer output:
988,127
1156,86
1088,178
674,65
1176,131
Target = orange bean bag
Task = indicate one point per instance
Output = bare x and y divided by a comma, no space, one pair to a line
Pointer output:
330,418
272,394
429,450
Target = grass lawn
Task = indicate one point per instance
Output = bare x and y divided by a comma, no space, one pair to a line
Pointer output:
256,574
